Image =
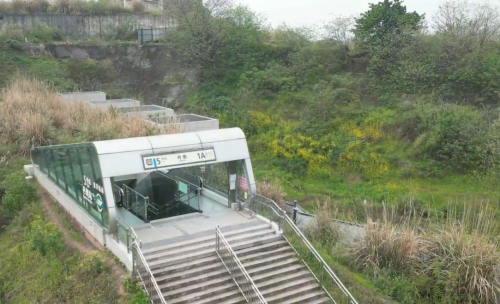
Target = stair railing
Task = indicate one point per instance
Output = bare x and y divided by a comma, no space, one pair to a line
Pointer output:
143,273
126,234
236,270
305,250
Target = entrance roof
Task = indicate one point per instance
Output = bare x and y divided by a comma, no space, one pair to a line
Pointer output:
126,156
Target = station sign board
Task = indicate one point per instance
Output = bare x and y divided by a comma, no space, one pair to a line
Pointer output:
178,159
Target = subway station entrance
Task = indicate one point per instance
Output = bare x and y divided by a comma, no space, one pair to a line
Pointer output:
143,182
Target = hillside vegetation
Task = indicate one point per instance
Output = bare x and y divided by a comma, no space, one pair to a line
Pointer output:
386,112
392,116
38,263
391,125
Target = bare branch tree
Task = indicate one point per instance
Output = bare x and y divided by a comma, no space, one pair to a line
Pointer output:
339,29
473,22
198,27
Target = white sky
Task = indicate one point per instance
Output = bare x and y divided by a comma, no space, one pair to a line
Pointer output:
311,12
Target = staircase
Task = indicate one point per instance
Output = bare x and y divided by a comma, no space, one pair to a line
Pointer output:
279,275
187,269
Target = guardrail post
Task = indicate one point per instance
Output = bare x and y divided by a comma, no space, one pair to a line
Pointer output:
134,266
199,195
128,240
146,204
135,202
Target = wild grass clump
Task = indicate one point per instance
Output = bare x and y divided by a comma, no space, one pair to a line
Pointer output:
37,6
325,230
138,7
390,246
32,114
273,191
455,261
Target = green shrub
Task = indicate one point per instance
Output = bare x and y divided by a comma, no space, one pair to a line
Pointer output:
44,237
17,194
138,296
43,34
11,39
90,71
37,6
456,135
123,32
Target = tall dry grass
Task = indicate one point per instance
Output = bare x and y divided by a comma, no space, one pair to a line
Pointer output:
391,246
138,7
325,230
33,114
461,254
273,191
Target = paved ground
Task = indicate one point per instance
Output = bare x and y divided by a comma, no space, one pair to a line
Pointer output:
213,214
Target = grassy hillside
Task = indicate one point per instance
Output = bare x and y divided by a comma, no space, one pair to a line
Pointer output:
391,125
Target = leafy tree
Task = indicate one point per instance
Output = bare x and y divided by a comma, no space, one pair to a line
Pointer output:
386,18
386,36
217,36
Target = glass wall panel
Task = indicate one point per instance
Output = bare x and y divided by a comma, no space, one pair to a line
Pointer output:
70,176
242,187
75,170
217,178
76,166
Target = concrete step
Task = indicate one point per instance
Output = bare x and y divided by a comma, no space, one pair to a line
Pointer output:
167,284
281,287
317,297
260,270
179,275
187,265
277,280
205,239
292,293
233,296
268,260
190,254
242,252
221,291
208,244
292,268
199,235
263,254
196,287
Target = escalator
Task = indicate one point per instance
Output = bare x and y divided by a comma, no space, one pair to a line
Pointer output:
160,196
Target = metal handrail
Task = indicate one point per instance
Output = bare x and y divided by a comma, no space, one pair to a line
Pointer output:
272,204
152,280
250,290
128,191
178,179
131,234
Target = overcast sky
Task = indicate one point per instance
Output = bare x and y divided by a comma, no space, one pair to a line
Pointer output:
310,12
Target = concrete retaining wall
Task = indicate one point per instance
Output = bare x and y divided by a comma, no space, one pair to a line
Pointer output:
147,111
188,122
84,96
116,103
82,27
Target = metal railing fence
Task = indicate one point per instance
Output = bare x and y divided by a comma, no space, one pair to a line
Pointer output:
236,270
142,272
305,250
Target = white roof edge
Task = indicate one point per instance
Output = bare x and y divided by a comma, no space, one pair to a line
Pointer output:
144,143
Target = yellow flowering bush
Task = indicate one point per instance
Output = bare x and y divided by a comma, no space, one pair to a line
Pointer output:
351,145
